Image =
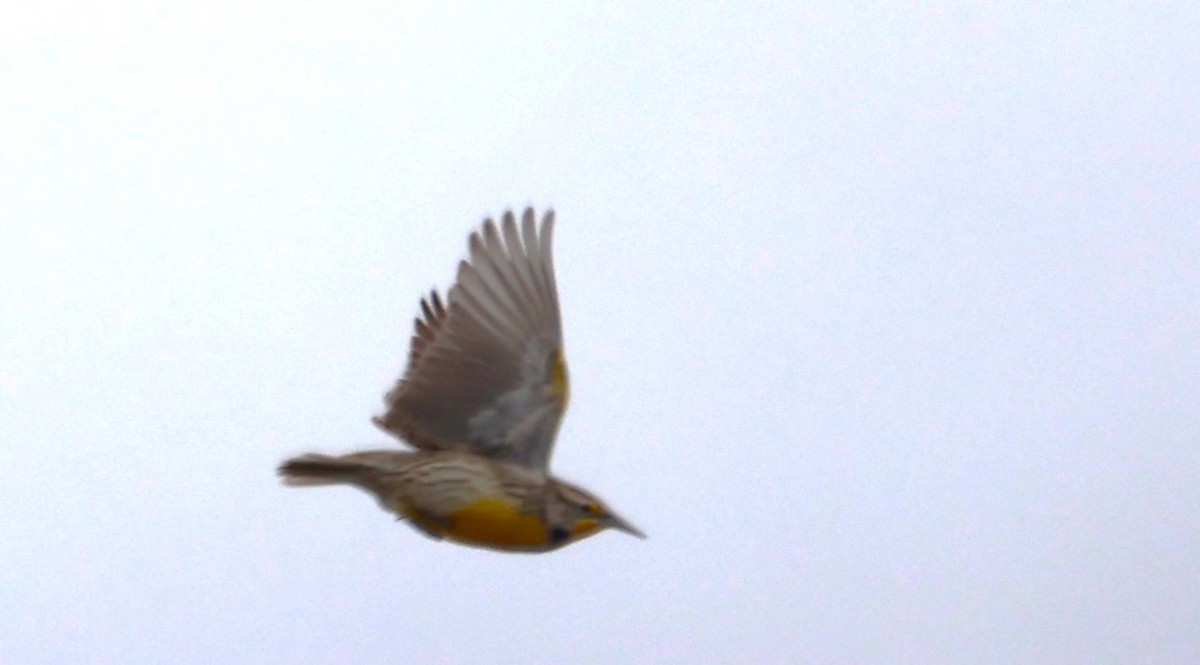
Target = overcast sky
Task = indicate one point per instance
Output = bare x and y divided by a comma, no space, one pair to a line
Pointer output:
882,323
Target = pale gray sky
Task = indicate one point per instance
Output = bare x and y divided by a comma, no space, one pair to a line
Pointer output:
882,322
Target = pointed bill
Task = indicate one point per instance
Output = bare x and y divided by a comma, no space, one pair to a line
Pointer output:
620,524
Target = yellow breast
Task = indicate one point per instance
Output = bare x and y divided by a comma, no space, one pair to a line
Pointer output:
497,524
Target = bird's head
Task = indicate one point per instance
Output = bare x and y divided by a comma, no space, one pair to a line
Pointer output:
573,513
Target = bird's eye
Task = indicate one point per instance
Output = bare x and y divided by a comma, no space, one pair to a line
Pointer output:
592,509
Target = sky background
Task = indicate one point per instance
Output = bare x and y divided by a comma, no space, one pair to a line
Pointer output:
882,321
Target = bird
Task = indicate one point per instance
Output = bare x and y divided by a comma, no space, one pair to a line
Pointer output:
479,405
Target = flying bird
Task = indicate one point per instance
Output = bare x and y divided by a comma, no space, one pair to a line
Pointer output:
480,404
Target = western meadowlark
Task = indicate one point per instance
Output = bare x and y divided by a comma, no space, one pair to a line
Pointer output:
481,401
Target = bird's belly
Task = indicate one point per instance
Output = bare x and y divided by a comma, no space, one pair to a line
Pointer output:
497,524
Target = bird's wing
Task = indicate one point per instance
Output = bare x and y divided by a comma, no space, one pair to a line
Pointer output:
486,373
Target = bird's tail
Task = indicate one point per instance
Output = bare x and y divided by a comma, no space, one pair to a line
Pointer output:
314,469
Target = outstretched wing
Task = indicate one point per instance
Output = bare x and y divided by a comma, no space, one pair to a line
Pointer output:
486,373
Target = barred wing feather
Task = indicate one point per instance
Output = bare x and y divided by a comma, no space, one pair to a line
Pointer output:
486,372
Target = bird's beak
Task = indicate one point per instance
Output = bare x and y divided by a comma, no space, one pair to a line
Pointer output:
620,524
